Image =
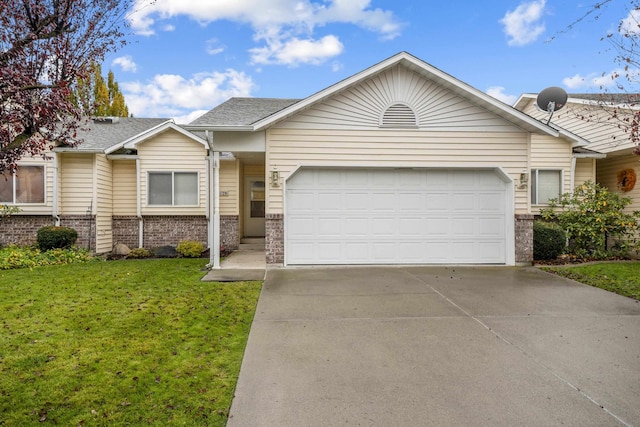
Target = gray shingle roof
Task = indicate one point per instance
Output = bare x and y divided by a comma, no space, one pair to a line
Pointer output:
99,135
243,111
615,98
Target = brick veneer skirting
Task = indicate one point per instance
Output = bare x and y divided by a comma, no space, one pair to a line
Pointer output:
86,228
274,238
524,238
23,229
230,232
170,230
125,230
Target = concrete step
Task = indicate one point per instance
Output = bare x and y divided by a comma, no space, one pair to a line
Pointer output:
252,240
251,247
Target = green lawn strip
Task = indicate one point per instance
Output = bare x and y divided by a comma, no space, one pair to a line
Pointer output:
121,343
620,277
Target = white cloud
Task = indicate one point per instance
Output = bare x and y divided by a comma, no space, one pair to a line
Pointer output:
522,25
498,93
285,26
188,118
600,81
170,95
213,47
126,63
630,24
295,51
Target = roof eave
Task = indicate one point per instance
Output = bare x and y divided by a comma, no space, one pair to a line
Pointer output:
214,128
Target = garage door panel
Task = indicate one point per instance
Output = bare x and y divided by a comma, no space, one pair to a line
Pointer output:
402,216
409,227
383,227
330,227
301,201
356,227
437,202
383,251
463,227
356,201
493,202
490,226
408,202
328,201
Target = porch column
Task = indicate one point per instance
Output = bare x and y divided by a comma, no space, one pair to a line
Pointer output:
214,205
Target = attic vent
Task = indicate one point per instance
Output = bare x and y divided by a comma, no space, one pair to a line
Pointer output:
399,115
105,119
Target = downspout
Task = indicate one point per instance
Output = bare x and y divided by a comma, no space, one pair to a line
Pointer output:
54,202
572,180
138,207
214,206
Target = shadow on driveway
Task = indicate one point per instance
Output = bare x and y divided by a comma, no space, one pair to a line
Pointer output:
408,346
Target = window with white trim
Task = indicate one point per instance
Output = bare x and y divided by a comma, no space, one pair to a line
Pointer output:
26,186
173,189
546,184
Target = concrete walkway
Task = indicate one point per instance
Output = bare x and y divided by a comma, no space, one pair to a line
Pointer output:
437,346
242,265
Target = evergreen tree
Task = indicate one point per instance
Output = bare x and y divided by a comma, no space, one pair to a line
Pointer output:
97,97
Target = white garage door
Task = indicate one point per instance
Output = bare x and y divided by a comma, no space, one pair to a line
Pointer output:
395,216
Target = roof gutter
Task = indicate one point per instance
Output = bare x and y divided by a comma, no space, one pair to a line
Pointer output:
204,128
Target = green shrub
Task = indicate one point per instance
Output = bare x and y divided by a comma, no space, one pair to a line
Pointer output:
54,237
137,253
592,217
28,257
190,248
549,240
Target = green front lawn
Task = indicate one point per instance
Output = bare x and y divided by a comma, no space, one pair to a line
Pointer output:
120,343
620,277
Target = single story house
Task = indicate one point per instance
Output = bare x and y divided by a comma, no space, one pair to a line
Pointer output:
400,163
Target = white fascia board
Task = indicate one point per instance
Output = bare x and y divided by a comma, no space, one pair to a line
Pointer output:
133,142
201,128
523,100
589,156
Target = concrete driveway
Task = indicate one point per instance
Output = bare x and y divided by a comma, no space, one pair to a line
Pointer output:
422,346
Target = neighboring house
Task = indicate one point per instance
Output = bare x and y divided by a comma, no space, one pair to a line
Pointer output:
398,164
601,120
142,182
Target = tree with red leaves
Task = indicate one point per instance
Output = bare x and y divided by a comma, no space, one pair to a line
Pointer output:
618,109
45,47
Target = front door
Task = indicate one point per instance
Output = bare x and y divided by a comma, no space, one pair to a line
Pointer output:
254,196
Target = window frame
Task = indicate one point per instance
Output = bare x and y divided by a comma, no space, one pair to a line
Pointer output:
535,197
173,187
14,189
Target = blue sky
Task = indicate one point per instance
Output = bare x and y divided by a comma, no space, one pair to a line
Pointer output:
186,57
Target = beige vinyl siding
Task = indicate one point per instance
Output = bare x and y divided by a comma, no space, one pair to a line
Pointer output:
593,123
362,106
124,188
289,149
173,152
608,176
45,208
230,184
104,204
76,183
552,154
585,171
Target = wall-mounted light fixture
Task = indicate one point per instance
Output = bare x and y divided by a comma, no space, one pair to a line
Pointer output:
524,179
275,177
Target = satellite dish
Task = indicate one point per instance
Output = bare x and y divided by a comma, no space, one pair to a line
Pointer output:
551,100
